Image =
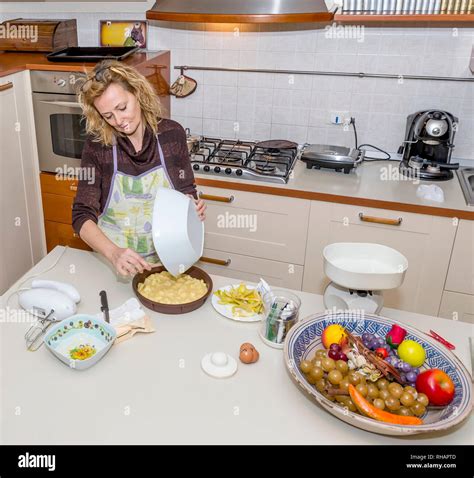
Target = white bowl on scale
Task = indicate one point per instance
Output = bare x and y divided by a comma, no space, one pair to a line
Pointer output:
178,233
364,266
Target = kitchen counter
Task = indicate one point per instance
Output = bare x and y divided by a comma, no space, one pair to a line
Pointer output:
151,389
365,186
13,62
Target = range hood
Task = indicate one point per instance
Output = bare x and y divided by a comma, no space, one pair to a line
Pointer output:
240,11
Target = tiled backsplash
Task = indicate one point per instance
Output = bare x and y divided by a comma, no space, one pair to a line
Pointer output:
298,107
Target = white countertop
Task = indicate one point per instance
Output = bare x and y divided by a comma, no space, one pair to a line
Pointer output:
151,389
368,181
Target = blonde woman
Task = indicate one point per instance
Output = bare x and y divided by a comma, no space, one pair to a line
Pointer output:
132,152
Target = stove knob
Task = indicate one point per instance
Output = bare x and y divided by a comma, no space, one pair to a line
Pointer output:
228,171
217,169
206,168
239,172
196,167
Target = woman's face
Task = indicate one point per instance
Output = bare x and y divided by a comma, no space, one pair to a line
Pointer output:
119,108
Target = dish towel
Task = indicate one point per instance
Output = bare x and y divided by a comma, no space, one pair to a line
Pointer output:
128,319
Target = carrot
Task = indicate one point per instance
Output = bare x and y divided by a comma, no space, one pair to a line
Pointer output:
369,410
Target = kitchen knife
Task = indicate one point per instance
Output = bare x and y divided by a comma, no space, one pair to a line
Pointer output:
104,305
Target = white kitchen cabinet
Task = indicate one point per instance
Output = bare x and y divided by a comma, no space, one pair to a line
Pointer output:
245,268
426,241
256,225
458,296
21,234
255,235
456,306
461,267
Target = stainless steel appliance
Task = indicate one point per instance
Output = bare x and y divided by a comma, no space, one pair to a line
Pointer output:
428,145
339,158
270,161
466,180
60,130
228,11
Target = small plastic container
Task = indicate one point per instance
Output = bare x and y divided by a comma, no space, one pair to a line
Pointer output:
283,313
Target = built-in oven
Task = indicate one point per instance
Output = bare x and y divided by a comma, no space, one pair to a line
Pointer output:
60,126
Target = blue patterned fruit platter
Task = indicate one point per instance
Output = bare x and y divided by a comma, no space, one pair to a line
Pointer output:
377,374
80,341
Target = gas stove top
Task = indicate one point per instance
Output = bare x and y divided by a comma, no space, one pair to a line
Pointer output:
270,161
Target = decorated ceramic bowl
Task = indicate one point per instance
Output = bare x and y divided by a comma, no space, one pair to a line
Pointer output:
80,341
305,338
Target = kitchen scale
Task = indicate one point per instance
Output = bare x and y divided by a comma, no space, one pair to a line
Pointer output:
359,273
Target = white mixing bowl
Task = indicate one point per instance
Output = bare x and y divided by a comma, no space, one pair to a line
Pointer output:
178,233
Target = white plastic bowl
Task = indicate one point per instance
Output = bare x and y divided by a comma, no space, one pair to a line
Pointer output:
364,266
178,233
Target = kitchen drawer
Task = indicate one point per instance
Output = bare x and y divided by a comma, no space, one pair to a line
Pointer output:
457,307
57,208
58,234
256,225
50,183
379,218
278,274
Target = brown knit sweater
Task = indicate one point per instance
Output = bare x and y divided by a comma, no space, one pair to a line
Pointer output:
91,198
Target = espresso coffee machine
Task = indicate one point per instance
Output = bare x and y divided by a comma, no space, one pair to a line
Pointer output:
429,141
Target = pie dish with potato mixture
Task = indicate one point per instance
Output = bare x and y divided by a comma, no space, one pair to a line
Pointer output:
165,288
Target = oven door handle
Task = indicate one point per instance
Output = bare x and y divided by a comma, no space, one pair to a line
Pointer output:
64,104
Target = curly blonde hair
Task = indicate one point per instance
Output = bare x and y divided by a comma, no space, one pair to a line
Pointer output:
97,81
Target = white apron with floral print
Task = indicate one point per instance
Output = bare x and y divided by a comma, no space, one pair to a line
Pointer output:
127,216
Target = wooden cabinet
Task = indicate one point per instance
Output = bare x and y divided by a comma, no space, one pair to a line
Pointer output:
264,235
426,241
58,196
16,251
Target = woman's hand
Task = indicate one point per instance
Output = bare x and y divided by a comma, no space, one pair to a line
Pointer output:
200,207
128,262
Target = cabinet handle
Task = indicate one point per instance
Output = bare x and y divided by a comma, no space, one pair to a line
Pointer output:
75,234
380,220
219,262
6,86
73,187
210,197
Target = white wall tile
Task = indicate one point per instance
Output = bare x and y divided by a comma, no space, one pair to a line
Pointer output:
300,105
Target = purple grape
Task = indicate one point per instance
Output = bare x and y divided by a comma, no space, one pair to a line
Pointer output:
366,337
411,377
403,377
405,367
390,360
380,342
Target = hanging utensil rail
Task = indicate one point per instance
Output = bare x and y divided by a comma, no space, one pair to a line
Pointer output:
323,73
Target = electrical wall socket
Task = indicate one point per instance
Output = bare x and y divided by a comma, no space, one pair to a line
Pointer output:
340,117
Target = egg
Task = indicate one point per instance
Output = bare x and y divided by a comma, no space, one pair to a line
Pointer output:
248,353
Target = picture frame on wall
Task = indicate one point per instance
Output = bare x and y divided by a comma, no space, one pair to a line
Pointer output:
123,33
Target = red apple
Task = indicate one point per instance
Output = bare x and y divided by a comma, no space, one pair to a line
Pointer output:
436,385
